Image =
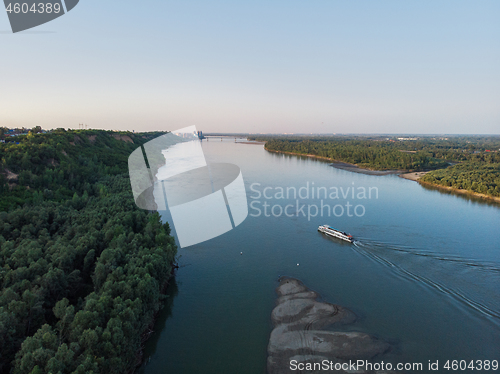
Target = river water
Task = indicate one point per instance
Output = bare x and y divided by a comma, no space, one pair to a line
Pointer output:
424,273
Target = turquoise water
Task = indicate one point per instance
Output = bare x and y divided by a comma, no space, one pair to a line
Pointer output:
424,273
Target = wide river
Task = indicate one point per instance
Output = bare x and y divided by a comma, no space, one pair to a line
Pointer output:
423,275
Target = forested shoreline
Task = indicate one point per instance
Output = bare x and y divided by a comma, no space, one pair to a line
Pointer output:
82,268
475,177
462,163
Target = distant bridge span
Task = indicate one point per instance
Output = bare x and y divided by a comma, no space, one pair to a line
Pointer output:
221,137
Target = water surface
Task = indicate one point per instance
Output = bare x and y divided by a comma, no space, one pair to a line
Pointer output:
423,275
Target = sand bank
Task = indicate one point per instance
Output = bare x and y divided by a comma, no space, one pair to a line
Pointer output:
413,176
298,336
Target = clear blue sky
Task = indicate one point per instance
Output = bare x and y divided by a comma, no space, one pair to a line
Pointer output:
260,66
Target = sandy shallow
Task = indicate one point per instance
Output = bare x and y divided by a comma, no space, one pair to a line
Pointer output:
413,176
299,333
356,169
251,142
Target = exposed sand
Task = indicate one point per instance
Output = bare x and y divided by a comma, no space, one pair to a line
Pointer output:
124,138
251,142
11,178
10,175
356,169
413,176
299,320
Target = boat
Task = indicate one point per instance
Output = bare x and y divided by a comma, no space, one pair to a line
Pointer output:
330,231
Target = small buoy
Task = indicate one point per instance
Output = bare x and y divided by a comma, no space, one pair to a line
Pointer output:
241,253
297,264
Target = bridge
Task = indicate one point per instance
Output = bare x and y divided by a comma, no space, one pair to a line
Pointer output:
220,137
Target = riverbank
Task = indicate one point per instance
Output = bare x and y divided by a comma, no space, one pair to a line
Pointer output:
344,165
149,331
461,192
415,176
356,169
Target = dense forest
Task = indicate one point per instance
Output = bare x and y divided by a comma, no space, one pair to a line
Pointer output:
469,163
479,177
82,268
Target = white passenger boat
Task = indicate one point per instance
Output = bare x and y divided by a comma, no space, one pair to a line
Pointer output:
330,231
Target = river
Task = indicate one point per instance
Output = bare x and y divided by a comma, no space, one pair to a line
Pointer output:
424,273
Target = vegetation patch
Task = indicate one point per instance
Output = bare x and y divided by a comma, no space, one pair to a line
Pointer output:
82,268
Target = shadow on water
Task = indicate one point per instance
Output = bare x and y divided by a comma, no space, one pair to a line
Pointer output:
462,195
165,313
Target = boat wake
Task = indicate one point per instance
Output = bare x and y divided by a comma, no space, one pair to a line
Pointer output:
483,266
472,281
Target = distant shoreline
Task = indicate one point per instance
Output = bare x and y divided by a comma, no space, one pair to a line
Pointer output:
251,142
413,176
344,165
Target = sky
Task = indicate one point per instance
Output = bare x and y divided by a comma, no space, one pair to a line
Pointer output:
372,66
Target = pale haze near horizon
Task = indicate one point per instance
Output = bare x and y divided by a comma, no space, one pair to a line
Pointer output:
265,67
